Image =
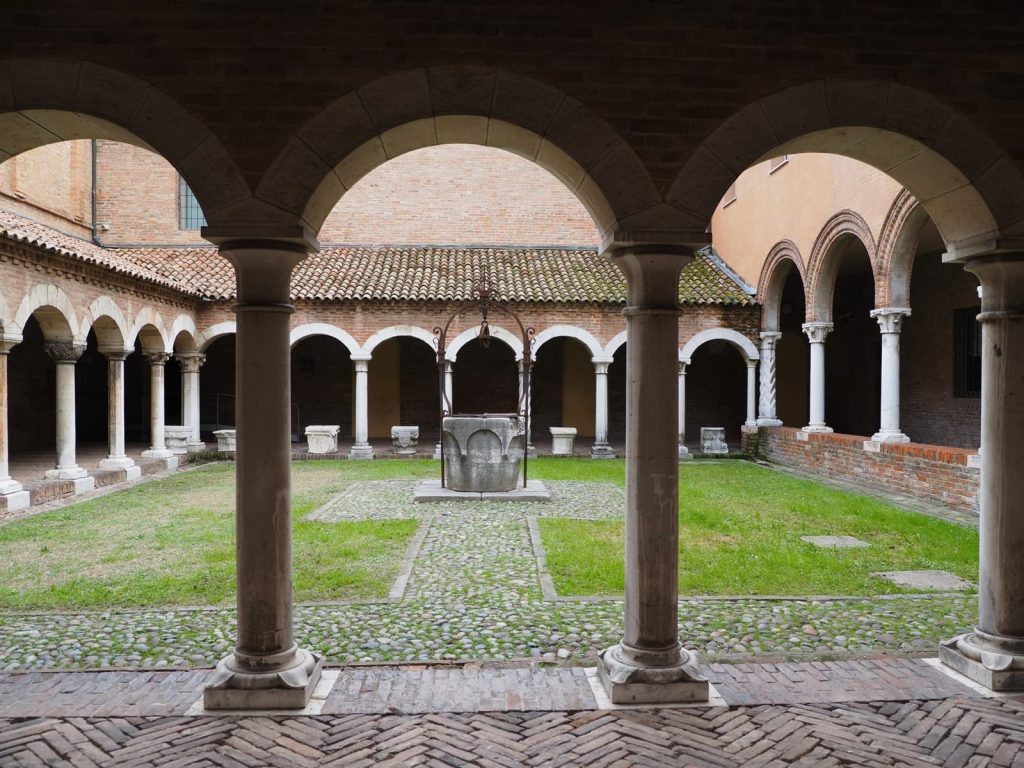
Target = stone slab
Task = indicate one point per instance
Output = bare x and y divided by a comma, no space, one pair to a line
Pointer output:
835,542
431,490
943,581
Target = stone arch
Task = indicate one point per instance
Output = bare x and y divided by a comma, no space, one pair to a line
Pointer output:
324,329
7,328
742,343
970,186
612,346
467,105
783,257
106,319
897,245
183,334
497,332
150,331
395,331
824,263
53,101
214,332
54,312
585,337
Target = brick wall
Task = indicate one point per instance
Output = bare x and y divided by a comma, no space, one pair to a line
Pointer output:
716,391
934,473
52,185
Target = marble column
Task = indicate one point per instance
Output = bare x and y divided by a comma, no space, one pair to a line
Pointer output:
816,334
362,448
751,393
65,355
766,402
267,670
116,458
890,322
650,664
190,363
993,654
157,422
12,495
601,448
681,394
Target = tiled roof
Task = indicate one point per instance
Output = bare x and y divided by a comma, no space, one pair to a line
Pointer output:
396,273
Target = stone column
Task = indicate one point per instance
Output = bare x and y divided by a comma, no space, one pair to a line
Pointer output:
681,394
65,355
751,393
816,334
650,665
267,670
993,654
11,492
158,447
766,402
116,458
601,448
191,362
362,448
890,322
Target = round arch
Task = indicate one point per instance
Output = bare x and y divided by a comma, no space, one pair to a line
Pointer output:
466,105
897,245
742,343
184,327
585,337
64,100
613,346
825,261
395,331
112,333
783,257
214,332
970,186
497,332
324,329
57,319
154,340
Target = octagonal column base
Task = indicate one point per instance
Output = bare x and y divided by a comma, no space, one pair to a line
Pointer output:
890,437
282,683
361,452
993,661
627,682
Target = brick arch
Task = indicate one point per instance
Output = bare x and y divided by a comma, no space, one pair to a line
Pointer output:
824,261
970,186
396,331
54,312
583,336
107,320
467,105
783,257
897,245
63,100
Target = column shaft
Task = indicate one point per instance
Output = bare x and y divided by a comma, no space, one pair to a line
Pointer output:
766,402
5,470
157,422
684,453
190,365
361,449
65,356
890,321
817,333
751,393
601,448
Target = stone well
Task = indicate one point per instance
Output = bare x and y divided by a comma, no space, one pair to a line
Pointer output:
482,453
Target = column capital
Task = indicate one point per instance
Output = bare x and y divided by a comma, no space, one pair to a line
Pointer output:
890,319
1002,283
362,364
115,353
156,358
770,338
190,362
751,363
817,332
64,351
682,366
263,269
652,275
601,367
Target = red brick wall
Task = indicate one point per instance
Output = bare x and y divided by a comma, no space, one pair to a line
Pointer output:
51,185
934,473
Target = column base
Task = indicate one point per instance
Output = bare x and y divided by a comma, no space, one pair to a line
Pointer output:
361,451
889,437
157,453
195,447
286,686
66,473
437,451
684,453
769,422
628,683
602,451
816,428
13,498
995,662
117,462
9,486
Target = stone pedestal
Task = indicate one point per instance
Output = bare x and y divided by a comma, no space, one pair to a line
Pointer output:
225,440
712,440
404,440
482,453
563,440
322,438
176,438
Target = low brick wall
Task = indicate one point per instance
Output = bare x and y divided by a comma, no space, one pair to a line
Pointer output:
932,472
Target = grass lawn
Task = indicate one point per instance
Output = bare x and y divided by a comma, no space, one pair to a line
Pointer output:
172,542
740,527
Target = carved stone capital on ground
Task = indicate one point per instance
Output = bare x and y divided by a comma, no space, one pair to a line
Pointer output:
64,351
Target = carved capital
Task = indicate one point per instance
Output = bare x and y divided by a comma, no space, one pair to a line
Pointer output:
890,319
156,358
817,332
601,369
64,351
191,362
769,339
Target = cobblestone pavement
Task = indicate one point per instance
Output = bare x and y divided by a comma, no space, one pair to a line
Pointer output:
474,592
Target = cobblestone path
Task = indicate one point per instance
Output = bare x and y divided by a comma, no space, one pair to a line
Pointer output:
474,592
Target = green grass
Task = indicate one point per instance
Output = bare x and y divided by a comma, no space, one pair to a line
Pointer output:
172,542
740,527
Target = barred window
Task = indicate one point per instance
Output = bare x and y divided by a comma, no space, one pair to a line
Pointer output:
966,352
190,215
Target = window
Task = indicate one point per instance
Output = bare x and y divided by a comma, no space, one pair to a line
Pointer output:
777,162
190,215
966,353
